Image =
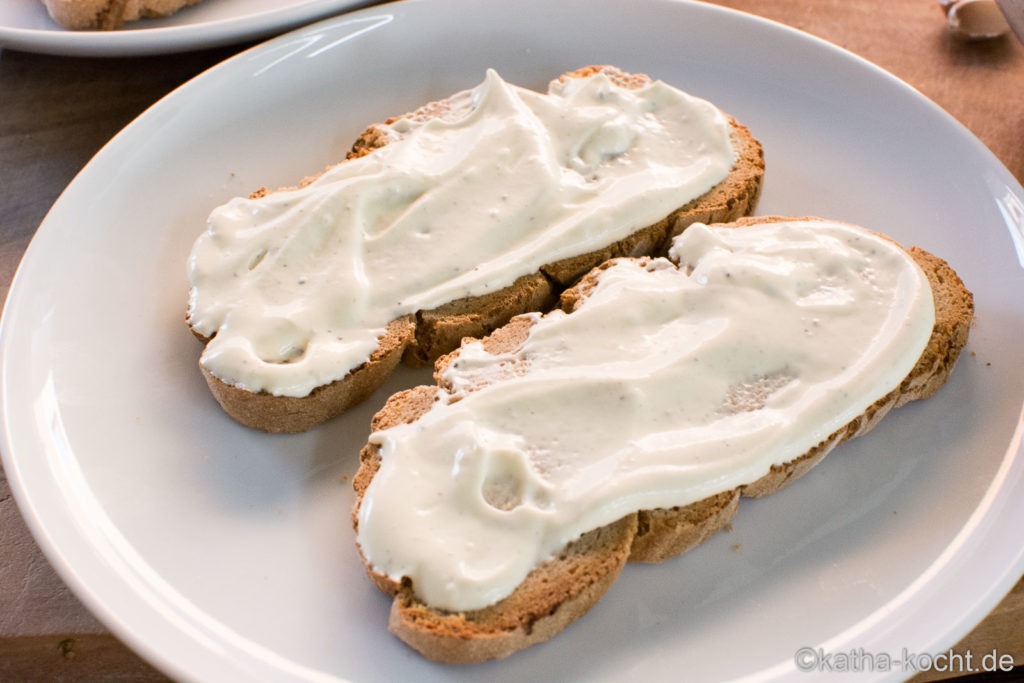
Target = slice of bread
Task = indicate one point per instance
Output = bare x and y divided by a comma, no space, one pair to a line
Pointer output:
109,14
432,333
564,588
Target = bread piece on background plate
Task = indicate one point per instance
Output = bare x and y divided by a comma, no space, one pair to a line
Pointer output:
109,14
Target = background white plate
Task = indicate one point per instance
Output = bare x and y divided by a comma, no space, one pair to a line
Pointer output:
25,25
225,554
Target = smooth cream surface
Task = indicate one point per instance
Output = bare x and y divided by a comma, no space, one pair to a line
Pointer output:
298,285
666,386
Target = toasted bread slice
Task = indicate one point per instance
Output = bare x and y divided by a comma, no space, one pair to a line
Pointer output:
440,330
109,14
534,611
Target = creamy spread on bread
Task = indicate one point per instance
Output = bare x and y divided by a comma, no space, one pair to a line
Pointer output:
295,287
667,385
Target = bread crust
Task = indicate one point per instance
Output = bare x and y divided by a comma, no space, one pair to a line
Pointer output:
440,330
109,14
289,414
657,534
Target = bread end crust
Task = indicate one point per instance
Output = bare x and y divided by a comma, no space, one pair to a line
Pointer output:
552,596
954,312
290,414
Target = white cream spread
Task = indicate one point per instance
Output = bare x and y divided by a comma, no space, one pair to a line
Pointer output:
298,285
668,385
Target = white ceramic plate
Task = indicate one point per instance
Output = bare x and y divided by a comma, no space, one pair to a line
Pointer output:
223,554
25,25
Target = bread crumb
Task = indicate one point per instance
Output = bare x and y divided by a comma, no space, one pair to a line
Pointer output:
728,527
344,477
736,547
973,354
987,365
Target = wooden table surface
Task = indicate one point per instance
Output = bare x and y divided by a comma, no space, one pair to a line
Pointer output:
56,112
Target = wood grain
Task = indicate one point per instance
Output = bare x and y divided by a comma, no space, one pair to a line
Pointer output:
55,113
980,83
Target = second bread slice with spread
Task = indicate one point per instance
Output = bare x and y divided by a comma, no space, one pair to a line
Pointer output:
445,223
498,506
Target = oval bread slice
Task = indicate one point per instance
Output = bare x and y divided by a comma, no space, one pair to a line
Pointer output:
534,612
440,330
